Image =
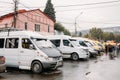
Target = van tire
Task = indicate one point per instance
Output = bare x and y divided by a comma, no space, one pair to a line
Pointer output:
36,67
74,56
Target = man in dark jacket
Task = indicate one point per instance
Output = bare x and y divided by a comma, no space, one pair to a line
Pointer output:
111,51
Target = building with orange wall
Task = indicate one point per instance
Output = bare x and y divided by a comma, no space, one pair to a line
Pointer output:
32,20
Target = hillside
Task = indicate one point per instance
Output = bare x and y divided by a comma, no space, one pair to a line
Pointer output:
115,30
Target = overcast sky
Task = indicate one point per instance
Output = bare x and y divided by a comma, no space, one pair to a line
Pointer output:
88,16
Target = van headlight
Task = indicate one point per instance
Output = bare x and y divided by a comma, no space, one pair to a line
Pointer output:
50,59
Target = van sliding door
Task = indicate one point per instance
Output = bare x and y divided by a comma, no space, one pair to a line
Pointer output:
11,52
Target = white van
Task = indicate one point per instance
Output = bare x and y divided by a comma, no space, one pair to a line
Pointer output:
68,50
84,43
24,50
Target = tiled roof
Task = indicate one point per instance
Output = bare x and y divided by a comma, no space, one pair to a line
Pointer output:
22,11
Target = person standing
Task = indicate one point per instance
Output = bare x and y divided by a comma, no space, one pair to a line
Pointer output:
111,51
118,50
106,49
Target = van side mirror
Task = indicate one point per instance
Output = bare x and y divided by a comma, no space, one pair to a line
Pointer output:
70,45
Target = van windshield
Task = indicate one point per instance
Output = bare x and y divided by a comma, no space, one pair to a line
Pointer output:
88,43
42,43
75,43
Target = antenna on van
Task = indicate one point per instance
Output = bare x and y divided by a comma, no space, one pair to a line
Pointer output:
8,31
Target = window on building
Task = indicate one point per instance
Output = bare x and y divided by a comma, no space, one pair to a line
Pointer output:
6,25
12,43
26,26
37,27
27,44
48,28
56,42
1,43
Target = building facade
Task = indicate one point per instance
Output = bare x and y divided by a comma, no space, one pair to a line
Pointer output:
32,20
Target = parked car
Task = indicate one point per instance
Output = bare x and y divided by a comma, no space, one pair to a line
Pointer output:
95,45
82,42
68,50
2,64
22,51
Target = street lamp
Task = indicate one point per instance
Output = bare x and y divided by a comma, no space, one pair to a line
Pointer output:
76,22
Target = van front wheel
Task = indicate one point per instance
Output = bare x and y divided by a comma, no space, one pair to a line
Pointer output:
74,56
36,67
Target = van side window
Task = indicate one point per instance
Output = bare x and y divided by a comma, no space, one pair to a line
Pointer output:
82,43
56,42
12,43
1,43
66,43
27,44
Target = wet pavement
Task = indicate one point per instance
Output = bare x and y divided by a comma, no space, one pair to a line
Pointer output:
101,68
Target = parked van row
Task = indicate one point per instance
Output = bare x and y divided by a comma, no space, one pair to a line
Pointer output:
76,47
67,48
31,51
84,44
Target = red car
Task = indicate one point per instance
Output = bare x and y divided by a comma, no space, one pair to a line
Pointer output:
2,64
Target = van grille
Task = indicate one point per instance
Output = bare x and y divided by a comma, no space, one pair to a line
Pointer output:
57,58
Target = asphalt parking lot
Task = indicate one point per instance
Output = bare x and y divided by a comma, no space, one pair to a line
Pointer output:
72,70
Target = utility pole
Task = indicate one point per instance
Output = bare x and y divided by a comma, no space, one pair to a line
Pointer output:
15,12
75,27
76,23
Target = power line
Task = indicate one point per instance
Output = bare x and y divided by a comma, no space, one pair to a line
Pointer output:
65,22
88,4
87,8
6,2
30,9
89,22
107,2
99,22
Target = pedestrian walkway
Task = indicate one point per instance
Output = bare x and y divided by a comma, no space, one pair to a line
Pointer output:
105,69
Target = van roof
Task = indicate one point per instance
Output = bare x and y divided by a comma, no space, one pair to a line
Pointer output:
58,37
80,38
21,33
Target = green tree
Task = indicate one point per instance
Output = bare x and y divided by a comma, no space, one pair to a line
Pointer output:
117,37
86,36
49,10
59,27
111,36
105,36
66,32
96,33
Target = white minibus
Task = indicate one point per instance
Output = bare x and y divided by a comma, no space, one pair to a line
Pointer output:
68,50
28,50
